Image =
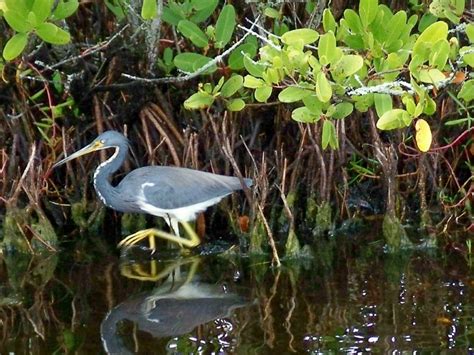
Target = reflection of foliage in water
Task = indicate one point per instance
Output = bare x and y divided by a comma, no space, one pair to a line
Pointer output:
343,298
25,302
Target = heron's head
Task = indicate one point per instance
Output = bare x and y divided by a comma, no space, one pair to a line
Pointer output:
108,139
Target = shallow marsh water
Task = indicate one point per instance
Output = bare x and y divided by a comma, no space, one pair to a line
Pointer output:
348,298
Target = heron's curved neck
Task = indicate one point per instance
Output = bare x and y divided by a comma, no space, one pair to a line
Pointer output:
103,173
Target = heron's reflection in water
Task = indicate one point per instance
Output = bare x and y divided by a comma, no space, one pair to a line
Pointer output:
176,307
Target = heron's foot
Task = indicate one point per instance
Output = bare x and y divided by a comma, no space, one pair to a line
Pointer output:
139,272
153,233
153,272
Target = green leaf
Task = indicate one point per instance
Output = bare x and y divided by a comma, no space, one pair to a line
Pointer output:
204,9
306,35
303,114
348,65
409,103
254,68
116,9
430,106
252,82
459,7
207,87
191,31
415,65
467,57
355,41
272,13
199,100
65,9
426,20
419,108
467,91
451,9
329,23
235,105
190,62
353,21
218,87
280,28
17,21
313,105
272,76
199,5
42,9
383,103
20,6
51,33
32,19
236,58
323,87
149,9
225,26
395,27
172,14
293,94
452,17
470,32
458,121
431,35
431,76
343,109
263,93
362,103
15,46
232,85
327,50
168,56
439,54
393,119
368,9
58,82
329,136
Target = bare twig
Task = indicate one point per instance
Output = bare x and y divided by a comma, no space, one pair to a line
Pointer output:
276,259
25,173
188,76
286,206
98,47
264,39
150,114
227,150
169,122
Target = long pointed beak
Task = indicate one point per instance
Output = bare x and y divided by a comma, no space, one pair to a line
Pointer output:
94,146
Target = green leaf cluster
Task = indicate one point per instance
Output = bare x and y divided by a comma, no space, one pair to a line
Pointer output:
196,11
318,72
450,9
187,16
225,90
28,17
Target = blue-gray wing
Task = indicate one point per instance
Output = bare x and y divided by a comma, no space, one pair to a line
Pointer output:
171,187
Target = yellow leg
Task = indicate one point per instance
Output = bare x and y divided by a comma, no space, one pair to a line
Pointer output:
137,271
153,232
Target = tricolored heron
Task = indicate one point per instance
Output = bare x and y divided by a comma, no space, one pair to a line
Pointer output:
176,194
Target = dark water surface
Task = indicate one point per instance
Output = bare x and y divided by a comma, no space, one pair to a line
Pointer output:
348,298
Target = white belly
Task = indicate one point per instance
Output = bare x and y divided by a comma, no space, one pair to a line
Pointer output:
182,214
